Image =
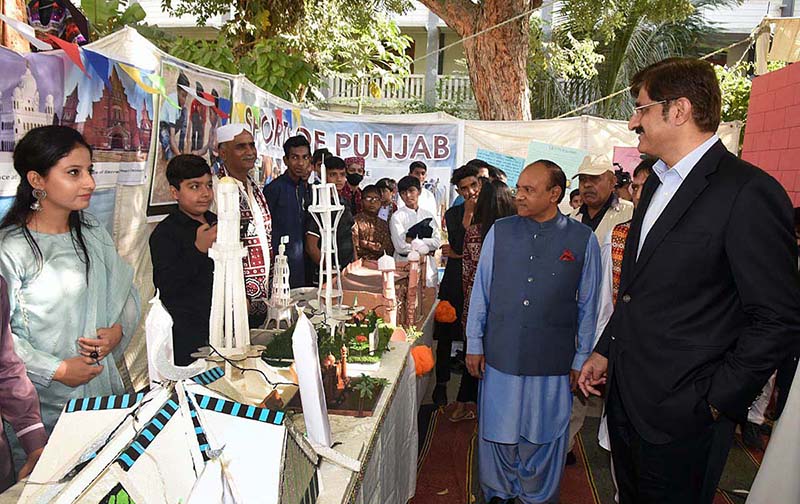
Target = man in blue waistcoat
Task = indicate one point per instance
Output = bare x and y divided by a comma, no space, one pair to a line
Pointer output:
531,325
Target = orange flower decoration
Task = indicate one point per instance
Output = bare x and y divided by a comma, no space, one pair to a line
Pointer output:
423,359
445,313
361,338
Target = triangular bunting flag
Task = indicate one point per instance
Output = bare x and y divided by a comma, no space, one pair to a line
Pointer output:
99,64
71,50
225,107
135,74
289,118
27,32
298,121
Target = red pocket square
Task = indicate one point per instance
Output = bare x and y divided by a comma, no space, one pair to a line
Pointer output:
567,256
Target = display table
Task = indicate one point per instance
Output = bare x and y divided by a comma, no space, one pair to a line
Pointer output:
386,443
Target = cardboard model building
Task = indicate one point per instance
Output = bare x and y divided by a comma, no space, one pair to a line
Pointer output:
182,442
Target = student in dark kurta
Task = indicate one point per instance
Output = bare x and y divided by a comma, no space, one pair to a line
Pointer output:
371,237
288,197
182,271
457,219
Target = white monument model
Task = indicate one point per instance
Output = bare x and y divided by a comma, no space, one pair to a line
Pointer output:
326,211
228,300
279,309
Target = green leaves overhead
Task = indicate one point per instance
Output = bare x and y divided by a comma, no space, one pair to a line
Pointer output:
289,47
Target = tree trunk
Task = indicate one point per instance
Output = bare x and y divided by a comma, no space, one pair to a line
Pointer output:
15,9
497,59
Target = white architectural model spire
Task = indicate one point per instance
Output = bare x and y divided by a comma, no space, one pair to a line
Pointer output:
326,211
278,308
228,301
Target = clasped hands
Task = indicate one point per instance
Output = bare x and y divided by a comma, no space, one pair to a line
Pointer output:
83,368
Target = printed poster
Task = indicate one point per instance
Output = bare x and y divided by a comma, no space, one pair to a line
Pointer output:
511,165
187,124
31,95
115,116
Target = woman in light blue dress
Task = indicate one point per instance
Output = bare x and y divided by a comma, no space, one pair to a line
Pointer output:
73,304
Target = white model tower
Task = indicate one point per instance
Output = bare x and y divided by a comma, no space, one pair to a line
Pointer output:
228,328
326,211
278,308
386,266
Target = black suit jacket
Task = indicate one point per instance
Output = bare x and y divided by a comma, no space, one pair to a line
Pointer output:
712,303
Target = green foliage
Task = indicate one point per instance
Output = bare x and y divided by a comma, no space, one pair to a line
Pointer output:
108,16
367,386
597,46
268,64
286,46
280,347
735,84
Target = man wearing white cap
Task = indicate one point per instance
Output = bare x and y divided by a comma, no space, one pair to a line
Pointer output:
237,156
601,210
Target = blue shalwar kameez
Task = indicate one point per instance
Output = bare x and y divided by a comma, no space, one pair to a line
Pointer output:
523,420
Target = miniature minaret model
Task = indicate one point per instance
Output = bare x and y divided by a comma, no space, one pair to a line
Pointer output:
279,309
387,266
228,301
326,211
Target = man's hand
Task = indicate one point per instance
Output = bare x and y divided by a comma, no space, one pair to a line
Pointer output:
476,365
33,457
573,379
77,371
593,373
205,237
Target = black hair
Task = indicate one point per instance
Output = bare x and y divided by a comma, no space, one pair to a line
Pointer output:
39,150
317,156
370,189
334,163
199,87
463,172
417,164
500,174
575,192
407,182
557,177
495,201
186,166
386,183
294,142
182,80
480,163
646,165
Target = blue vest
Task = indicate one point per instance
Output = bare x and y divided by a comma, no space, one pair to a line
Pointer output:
532,323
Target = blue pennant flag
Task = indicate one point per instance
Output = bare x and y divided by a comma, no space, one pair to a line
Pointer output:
99,64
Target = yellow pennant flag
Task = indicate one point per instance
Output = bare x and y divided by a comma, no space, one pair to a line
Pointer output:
136,75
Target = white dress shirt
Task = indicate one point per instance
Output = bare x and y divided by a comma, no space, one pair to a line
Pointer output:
399,223
426,201
671,180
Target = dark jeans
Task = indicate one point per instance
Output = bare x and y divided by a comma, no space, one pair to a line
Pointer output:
683,471
468,389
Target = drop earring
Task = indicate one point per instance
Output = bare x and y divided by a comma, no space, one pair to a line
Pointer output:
39,195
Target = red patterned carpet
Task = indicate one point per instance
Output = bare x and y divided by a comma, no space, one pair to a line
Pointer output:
447,466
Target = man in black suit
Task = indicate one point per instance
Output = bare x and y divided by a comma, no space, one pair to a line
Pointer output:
709,297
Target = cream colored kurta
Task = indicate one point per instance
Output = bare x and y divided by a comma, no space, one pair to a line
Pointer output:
618,213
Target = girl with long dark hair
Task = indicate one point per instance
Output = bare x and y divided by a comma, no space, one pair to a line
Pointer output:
495,201
73,304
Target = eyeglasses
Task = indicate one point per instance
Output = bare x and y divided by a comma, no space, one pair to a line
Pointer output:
371,199
638,111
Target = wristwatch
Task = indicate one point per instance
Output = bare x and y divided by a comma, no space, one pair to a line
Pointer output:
714,412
